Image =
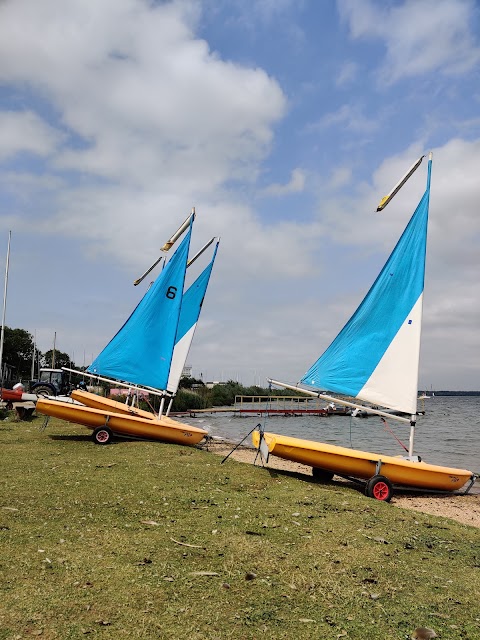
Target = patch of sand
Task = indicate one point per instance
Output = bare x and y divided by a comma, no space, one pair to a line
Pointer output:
462,508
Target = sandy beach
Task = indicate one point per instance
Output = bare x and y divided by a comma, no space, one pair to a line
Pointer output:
462,508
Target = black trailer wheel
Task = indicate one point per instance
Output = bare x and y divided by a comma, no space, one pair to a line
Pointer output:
380,488
102,435
322,475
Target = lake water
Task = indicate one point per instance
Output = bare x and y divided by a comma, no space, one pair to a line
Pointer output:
448,434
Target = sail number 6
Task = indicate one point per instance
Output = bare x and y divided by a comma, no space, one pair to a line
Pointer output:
171,292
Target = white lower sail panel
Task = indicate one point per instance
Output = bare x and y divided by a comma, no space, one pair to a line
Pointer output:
179,358
394,382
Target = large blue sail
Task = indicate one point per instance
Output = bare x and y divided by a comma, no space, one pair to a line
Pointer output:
191,306
375,356
141,351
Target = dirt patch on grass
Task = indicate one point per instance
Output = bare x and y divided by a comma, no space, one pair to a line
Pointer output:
462,508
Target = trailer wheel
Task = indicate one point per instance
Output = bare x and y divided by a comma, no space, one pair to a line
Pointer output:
380,488
322,475
102,435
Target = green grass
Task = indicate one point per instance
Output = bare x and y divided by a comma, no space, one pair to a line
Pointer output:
90,547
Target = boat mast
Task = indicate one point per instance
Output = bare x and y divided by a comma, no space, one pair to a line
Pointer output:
413,421
53,352
34,353
2,336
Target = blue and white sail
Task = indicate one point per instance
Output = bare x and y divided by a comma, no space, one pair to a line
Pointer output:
375,357
191,306
141,352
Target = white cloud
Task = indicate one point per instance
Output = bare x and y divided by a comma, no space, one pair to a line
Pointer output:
295,185
24,131
419,36
158,122
347,74
147,97
351,117
340,177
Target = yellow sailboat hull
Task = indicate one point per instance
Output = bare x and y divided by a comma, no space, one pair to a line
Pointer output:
164,429
364,465
99,402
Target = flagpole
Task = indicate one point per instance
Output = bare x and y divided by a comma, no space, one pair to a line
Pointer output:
2,336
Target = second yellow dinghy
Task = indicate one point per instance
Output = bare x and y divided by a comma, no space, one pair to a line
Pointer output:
105,423
99,402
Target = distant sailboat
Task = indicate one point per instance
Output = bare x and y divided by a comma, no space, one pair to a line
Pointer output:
148,352
375,358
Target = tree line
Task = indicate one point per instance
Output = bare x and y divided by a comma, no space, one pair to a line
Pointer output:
194,394
20,353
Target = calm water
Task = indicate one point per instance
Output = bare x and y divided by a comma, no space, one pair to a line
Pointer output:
448,434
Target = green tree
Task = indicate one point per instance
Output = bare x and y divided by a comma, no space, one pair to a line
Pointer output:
186,400
18,351
61,359
188,383
224,394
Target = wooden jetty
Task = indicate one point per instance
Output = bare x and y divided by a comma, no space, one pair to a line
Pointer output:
275,405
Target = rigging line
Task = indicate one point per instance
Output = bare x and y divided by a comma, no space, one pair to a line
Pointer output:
149,404
387,428
240,443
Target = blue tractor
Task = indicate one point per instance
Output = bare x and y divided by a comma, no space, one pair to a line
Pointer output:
51,382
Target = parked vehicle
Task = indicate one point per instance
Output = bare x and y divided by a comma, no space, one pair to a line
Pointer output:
51,382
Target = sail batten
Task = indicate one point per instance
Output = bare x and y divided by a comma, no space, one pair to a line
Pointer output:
375,357
141,351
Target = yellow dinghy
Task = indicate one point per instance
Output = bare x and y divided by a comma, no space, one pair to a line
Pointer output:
148,352
106,423
324,458
99,402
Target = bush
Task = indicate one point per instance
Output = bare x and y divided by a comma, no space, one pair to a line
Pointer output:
186,400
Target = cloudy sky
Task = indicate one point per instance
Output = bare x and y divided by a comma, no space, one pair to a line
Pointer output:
283,122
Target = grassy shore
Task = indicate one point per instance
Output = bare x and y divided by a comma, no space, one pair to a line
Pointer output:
146,540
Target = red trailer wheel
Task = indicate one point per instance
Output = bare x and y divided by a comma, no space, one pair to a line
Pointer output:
102,435
380,488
